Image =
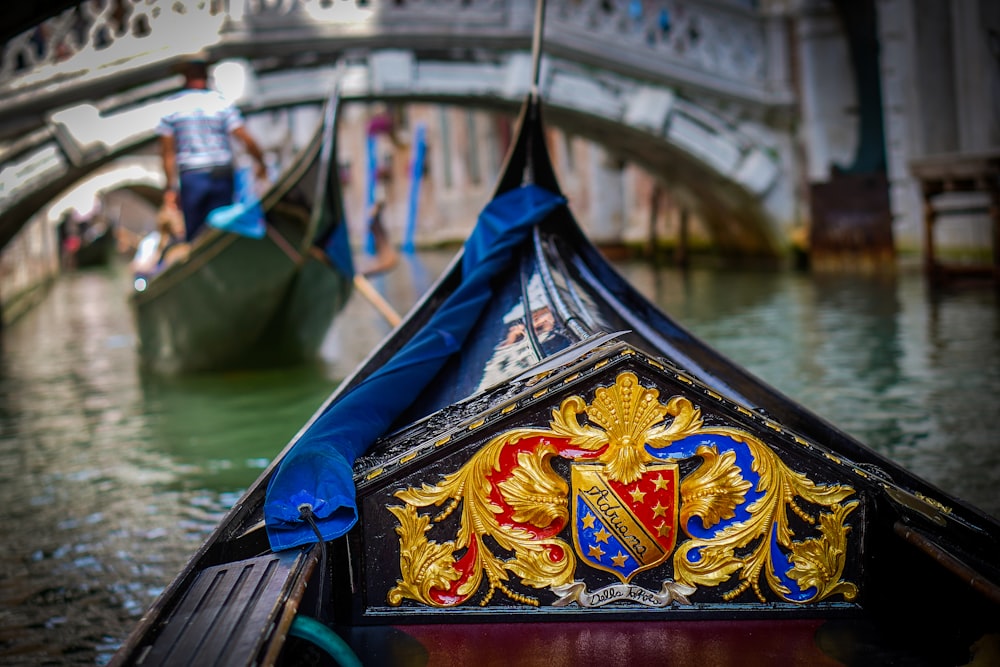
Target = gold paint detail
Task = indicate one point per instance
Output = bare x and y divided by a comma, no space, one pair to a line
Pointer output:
537,496
815,559
474,425
443,441
629,416
406,458
374,473
512,506
714,491
509,408
937,504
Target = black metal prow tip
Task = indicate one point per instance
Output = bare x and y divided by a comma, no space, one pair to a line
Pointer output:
536,48
528,159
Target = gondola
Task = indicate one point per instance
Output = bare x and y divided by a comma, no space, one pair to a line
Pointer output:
237,301
97,246
539,467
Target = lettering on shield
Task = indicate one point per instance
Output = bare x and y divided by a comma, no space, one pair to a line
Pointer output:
624,528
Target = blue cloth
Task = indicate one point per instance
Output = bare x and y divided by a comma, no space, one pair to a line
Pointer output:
245,216
337,249
317,471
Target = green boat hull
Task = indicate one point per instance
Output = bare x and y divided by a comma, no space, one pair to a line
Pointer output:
240,302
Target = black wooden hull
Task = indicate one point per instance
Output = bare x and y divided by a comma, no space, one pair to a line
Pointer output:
583,480
240,302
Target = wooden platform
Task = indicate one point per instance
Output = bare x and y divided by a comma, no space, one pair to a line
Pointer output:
959,172
232,613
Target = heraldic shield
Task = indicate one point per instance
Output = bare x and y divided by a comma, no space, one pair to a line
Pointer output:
624,528
542,515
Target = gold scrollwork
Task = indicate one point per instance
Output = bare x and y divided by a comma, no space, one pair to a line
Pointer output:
534,497
509,493
714,490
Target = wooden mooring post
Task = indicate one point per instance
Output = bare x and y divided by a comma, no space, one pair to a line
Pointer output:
851,223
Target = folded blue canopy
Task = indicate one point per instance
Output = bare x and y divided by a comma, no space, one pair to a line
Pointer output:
317,471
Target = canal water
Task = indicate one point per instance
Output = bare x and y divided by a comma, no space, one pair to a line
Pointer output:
110,478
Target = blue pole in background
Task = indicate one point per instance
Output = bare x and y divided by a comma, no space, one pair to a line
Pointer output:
372,149
416,175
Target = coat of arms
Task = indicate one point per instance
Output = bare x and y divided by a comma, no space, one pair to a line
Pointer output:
527,532
624,528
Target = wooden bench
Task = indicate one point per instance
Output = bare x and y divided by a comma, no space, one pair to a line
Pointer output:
235,614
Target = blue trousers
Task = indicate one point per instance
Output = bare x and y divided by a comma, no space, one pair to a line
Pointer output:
202,191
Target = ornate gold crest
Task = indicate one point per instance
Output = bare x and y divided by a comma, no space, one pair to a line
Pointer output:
728,520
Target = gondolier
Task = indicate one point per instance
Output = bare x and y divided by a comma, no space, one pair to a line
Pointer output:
196,148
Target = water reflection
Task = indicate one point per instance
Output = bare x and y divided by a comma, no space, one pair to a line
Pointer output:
91,531
212,424
111,478
912,372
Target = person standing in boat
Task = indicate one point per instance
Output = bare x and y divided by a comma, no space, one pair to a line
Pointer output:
195,144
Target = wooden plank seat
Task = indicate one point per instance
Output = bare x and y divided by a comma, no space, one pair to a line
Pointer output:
236,613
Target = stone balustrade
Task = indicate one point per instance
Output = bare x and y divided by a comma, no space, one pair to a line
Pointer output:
719,46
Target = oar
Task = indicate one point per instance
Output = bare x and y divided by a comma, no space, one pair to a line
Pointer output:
368,291
363,285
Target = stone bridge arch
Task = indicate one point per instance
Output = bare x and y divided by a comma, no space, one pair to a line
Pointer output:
707,122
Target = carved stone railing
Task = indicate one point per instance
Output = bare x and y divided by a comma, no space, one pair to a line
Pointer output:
720,46
700,78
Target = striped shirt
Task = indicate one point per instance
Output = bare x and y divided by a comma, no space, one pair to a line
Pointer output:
200,121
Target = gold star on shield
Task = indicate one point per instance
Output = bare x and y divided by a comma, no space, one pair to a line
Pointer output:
588,521
595,552
620,559
659,510
638,497
663,530
661,484
602,535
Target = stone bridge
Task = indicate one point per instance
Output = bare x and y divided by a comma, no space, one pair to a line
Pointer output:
698,93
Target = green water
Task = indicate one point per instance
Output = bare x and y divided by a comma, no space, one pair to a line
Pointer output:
111,478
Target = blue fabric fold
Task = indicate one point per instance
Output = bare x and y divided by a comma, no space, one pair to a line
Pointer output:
245,216
317,471
337,248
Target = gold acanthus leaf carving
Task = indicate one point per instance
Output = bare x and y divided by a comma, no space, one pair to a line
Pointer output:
699,561
537,561
817,559
536,499
630,416
715,489
424,565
